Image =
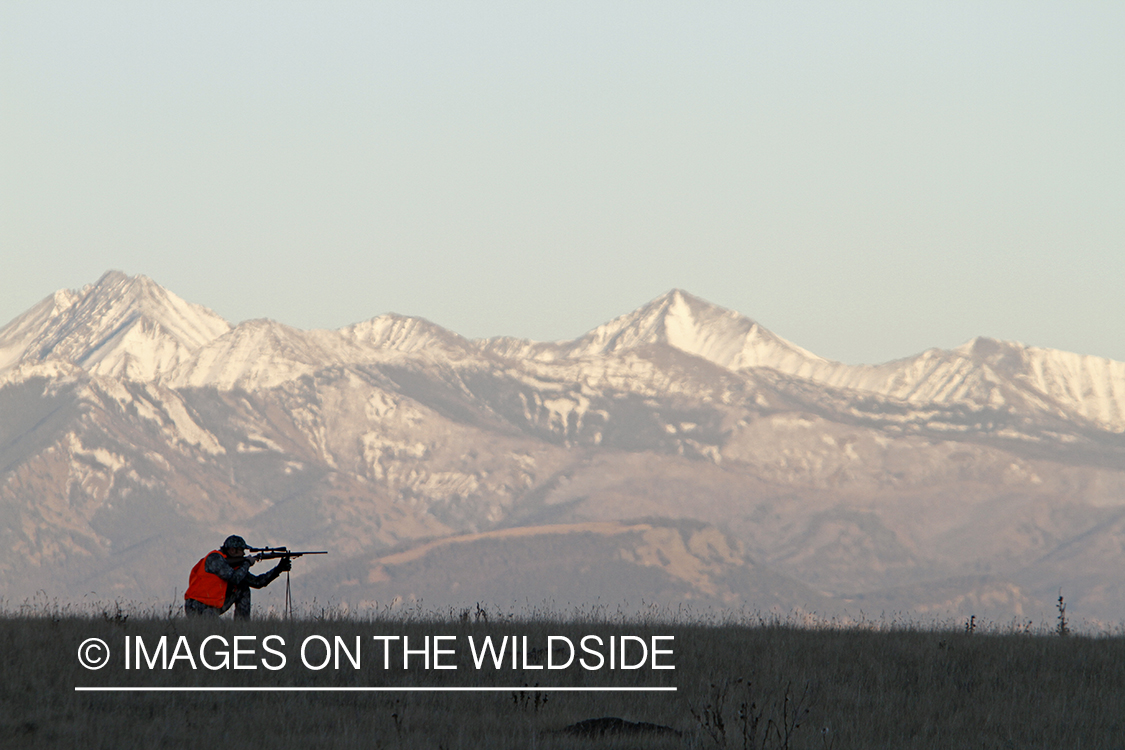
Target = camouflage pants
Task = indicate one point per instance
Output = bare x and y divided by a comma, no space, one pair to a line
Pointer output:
239,597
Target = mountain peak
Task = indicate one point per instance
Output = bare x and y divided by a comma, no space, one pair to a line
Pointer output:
258,353
403,333
682,296
118,285
696,326
121,325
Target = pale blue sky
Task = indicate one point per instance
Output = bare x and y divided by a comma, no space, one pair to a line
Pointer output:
865,179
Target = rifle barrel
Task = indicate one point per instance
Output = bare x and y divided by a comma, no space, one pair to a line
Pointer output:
282,552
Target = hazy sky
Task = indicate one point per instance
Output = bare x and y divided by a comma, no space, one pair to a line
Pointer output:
867,180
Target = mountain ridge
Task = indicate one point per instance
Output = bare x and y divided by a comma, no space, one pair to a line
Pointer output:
119,326
140,345
127,414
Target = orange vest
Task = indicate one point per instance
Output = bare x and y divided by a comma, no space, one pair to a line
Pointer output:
206,587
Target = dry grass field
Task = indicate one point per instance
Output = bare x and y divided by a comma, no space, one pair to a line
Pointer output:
740,684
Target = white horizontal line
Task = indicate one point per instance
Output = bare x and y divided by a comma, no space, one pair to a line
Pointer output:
275,689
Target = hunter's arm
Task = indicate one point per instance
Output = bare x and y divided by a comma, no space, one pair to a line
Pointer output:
265,579
232,574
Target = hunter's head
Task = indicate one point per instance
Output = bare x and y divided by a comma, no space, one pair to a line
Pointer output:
234,546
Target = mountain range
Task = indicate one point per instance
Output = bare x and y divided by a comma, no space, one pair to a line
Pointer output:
678,456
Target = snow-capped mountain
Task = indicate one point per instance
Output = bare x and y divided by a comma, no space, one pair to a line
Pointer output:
677,319
119,326
989,374
18,336
256,354
983,373
694,453
399,333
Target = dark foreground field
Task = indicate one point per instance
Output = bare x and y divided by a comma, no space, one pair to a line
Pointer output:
738,686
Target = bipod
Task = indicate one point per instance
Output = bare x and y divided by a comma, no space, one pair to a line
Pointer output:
288,599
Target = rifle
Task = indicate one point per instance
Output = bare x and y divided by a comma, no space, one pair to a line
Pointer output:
274,553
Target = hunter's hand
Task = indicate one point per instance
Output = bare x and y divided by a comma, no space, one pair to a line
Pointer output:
285,565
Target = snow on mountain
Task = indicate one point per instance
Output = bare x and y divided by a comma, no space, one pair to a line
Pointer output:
130,418
258,354
994,374
16,337
1090,387
131,327
120,326
983,373
690,324
265,354
400,333
676,319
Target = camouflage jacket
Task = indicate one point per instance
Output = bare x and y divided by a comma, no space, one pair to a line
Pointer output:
238,575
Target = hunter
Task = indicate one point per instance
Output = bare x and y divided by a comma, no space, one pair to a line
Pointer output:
223,578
